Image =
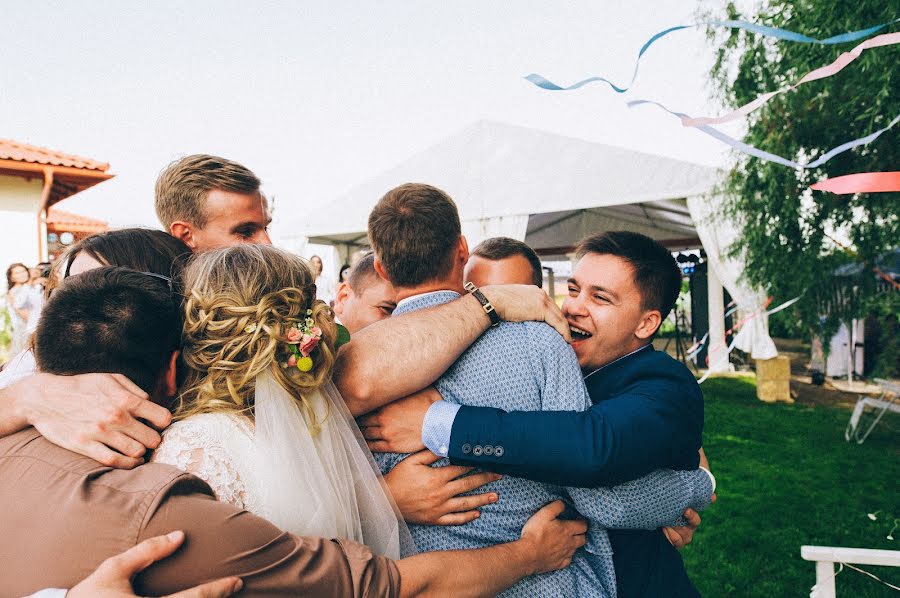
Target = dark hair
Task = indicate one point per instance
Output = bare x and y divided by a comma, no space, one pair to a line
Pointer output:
141,249
344,269
656,273
362,272
414,229
9,282
109,320
499,248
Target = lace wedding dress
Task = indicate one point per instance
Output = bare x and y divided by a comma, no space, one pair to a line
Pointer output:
310,484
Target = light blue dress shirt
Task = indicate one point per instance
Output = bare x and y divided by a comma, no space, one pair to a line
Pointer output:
529,367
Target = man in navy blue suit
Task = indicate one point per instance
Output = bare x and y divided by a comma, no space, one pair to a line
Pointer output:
647,408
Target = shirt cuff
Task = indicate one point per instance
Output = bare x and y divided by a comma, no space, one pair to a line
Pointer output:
49,593
437,427
712,478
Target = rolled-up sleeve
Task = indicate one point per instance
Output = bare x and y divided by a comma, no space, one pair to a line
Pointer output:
223,541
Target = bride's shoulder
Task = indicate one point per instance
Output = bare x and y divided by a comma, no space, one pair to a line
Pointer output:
209,424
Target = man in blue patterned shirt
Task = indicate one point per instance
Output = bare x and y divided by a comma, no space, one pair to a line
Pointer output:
415,231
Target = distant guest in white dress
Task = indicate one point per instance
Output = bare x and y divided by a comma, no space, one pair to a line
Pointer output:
24,305
324,285
258,417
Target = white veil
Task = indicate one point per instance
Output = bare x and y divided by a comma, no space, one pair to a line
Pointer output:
325,484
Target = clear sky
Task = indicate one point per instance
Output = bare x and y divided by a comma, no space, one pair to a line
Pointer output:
316,97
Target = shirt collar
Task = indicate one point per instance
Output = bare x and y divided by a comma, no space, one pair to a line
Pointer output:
603,367
420,296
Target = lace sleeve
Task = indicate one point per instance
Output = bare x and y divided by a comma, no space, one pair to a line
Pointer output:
193,447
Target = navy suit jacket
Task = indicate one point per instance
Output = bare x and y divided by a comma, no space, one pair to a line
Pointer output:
647,414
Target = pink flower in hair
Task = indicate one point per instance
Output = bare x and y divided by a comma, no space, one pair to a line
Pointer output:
294,336
308,344
292,361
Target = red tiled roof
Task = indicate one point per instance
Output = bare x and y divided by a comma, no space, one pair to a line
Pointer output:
60,218
23,152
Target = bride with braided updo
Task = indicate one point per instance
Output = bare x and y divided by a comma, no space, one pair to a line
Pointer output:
258,417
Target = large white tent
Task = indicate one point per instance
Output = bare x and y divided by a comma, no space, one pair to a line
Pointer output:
550,190
525,183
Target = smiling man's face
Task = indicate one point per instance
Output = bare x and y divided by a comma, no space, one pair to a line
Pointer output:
605,311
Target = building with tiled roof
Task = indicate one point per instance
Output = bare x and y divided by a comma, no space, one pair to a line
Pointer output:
65,228
32,180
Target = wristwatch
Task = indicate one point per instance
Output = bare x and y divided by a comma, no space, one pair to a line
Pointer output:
485,304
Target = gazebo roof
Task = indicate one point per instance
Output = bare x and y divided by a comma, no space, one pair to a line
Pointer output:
70,173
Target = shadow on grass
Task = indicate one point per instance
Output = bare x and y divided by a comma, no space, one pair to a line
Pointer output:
786,478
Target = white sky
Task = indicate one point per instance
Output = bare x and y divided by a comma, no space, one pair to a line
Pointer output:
316,97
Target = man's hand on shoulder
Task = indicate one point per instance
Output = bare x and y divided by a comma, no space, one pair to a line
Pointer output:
95,415
526,303
397,427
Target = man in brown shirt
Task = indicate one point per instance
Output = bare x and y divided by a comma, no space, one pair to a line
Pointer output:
61,514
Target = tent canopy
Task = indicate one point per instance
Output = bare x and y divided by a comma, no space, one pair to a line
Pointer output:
554,187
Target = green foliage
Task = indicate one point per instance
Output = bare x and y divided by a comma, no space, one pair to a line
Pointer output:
5,333
785,226
786,478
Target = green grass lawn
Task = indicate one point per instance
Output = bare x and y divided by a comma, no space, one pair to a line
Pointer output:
786,478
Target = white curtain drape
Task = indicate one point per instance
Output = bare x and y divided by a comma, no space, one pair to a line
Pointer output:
477,230
717,233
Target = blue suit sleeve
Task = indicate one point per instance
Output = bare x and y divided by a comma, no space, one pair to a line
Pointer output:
614,441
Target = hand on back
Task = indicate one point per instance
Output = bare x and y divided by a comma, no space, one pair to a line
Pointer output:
552,540
429,495
96,415
112,579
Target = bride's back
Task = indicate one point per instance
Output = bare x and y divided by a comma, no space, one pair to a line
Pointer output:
257,416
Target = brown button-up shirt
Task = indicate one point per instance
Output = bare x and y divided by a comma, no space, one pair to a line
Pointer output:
62,514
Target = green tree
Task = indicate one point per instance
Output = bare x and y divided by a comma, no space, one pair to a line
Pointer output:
786,227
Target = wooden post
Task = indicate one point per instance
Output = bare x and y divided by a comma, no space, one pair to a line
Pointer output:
717,354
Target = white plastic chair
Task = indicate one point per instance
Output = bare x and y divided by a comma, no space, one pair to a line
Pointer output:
857,429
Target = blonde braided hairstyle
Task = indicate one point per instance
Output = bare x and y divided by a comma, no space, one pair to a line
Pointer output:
239,304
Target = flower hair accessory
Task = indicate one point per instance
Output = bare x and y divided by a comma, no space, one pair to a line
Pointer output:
302,339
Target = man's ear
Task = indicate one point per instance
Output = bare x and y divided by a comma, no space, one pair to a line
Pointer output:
170,378
184,231
462,250
650,321
343,291
379,267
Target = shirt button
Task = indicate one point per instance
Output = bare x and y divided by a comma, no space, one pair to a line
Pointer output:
498,451
443,451
477,451
488,450
466,448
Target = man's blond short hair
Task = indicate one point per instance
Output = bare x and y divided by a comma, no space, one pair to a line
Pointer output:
183,186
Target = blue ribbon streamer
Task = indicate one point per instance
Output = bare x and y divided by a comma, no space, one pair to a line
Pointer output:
763,155
782,34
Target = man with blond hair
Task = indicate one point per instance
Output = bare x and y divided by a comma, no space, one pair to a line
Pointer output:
209,202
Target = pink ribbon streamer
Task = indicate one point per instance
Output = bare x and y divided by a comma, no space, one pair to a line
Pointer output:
842,61
863,182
